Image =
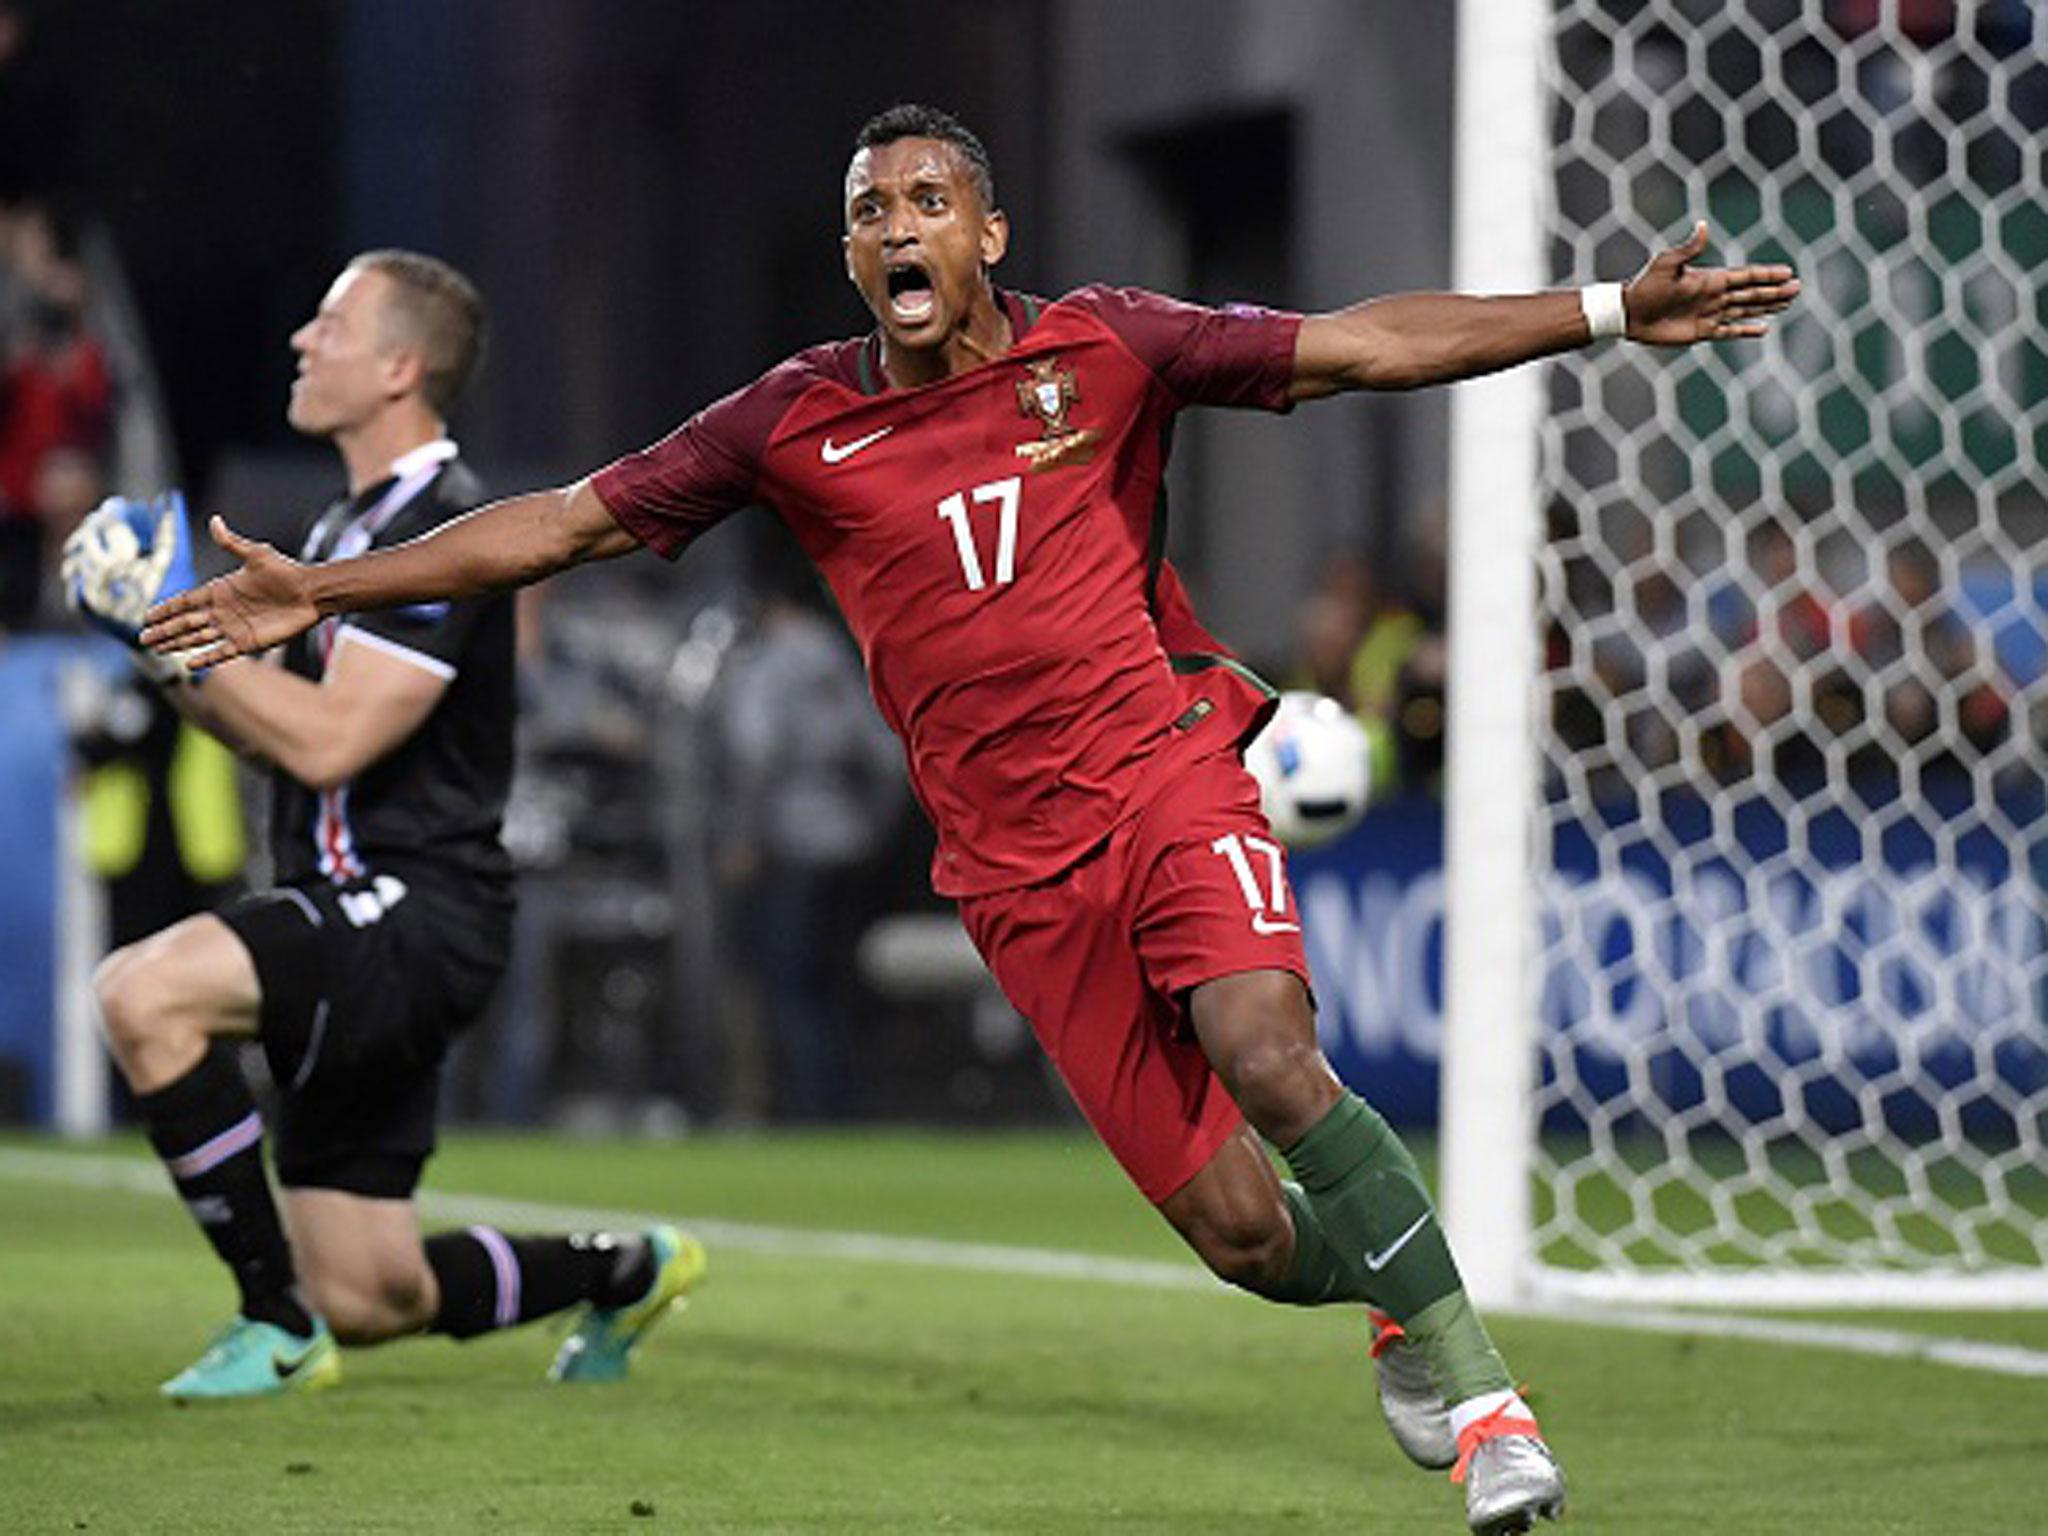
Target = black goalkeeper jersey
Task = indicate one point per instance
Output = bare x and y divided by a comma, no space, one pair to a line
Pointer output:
429,811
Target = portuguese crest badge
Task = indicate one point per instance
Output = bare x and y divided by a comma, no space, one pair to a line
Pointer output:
1045,395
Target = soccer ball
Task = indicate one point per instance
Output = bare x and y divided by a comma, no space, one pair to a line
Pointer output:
1314,767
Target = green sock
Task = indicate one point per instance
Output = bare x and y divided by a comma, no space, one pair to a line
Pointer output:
1377,1220
1317,1275
1455,1343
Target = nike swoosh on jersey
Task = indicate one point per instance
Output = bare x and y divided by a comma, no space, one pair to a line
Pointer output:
1264,924
836,453
1379,1261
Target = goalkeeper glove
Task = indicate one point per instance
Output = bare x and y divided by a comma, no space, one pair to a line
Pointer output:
121,561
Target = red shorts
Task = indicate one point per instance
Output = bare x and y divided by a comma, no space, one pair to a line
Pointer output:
1101,957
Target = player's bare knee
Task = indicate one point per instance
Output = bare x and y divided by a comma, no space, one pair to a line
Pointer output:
408,1300
109,990
370,1311
154,1041
1280,1083
130,999
356,1321
1258,1031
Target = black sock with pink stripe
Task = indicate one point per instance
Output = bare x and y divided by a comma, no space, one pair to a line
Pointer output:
490,1281
206,1129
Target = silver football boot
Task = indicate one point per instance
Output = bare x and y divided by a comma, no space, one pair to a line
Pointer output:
1416,1414
1510,1481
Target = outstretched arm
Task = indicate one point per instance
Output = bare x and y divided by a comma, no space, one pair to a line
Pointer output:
1412,339
272,597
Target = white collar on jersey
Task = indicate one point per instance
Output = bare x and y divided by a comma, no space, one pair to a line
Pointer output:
440,449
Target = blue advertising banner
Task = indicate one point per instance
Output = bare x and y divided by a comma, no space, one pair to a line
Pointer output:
1372,916
1863,958
32,768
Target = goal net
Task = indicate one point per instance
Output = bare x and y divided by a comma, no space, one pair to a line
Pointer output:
1776,1015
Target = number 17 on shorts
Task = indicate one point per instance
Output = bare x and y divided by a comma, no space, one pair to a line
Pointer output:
1261,870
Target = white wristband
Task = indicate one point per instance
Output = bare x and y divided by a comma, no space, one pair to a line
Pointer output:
1606,316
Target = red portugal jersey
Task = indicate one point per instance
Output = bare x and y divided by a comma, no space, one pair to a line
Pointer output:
990,541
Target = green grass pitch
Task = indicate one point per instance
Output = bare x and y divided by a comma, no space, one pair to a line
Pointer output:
808,1392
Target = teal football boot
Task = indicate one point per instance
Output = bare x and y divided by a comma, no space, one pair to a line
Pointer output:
603,1339
252,1359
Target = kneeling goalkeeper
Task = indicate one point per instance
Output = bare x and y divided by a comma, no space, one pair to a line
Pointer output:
389,736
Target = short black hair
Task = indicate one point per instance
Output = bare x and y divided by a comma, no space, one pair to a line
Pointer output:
909,120
436,309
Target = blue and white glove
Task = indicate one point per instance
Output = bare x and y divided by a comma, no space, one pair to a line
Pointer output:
121,561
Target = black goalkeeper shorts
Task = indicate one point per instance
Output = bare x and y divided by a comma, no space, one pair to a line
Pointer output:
361,996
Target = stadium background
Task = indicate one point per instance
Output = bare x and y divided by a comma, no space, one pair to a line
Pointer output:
648,196
904,1330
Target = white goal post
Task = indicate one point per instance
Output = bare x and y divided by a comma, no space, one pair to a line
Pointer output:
1746,966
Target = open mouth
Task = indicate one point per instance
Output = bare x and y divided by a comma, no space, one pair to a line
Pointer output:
911,298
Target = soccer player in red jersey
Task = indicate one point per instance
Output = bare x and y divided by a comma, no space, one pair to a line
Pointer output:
977,479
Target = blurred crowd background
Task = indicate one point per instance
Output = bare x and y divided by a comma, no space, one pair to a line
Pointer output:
725,916
724,876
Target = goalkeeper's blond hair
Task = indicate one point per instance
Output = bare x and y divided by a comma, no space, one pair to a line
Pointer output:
436,310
